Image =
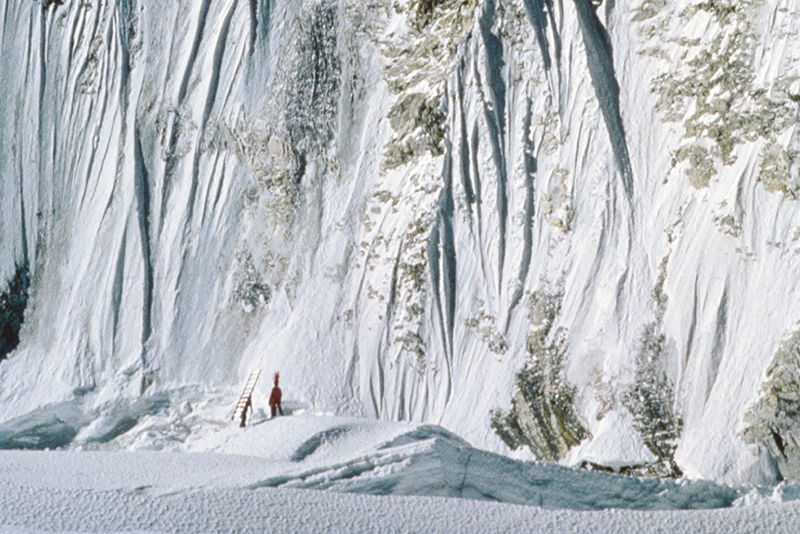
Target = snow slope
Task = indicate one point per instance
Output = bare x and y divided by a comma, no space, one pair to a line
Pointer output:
373,199
380,476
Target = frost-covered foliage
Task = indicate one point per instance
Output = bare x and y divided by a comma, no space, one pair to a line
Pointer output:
250,291
715,94
411,292
417,118
267,155
651,400
648,9
775,171
313,101
485,326
773,422
542,415
420,58
557,205
651,397
424,10
13,301
419,126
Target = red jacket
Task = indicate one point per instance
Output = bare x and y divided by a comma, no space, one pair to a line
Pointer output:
275,397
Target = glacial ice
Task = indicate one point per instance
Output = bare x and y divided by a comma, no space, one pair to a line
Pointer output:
204,188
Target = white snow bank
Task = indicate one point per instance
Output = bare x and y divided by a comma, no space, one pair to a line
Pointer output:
356,455
33,508
177,462
615,444
213,476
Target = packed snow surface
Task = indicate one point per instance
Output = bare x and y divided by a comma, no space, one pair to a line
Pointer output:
379,476
378,199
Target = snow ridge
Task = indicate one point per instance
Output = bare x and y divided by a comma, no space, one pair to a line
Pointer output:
367,198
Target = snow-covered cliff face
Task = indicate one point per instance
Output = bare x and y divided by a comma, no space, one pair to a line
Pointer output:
581,218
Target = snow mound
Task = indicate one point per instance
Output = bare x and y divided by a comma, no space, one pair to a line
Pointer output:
428,460
208,475
341,454
615,444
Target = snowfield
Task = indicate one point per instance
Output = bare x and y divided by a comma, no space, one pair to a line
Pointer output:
213,476
402,205
567,227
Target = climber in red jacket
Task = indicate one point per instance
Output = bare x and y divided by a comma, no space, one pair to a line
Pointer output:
275,398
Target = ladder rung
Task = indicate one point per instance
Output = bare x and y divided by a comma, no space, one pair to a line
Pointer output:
247,393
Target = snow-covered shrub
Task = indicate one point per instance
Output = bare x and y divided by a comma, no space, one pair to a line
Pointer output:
651,397
651,400
425,10
314,96
773,422
250,291
414,343
12,308
701,165
420,59
716,94
774,172
542,415
418,123
648,9
485,327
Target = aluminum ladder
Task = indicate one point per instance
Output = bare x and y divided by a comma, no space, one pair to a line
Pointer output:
246,394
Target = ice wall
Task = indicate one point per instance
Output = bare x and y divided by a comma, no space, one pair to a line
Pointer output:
370,198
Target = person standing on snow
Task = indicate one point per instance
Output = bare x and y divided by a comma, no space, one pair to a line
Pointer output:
275,398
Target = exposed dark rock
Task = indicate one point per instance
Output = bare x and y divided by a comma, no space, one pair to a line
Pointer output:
542,415
13,301
773,422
